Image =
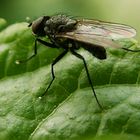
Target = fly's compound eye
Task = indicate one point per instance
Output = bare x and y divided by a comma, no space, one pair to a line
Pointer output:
38,26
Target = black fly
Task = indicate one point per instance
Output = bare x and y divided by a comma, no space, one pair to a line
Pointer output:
71,34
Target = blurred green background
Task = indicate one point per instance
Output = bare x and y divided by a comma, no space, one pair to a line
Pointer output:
121,11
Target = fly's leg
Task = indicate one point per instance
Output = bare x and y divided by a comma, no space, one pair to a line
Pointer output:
88,75
52,69
35,50
126,49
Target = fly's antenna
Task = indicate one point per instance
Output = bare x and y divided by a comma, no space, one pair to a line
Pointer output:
30,24
28,20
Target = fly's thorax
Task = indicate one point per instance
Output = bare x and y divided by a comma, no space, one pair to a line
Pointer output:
59,24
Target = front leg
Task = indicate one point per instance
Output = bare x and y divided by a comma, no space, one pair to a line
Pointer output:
35,50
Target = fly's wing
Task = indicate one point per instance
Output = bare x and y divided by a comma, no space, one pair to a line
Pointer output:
114,30
99,33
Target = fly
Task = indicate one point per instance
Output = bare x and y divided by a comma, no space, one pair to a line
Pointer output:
71,34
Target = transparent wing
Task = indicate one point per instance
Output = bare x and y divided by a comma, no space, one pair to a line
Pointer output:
112,30
99,32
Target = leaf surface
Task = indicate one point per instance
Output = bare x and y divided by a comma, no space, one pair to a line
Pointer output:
69,109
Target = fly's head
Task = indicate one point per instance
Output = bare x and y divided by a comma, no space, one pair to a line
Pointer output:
38,26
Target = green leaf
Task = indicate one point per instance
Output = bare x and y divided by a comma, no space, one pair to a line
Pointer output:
69,109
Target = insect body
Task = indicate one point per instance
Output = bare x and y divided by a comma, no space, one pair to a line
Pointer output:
71,34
